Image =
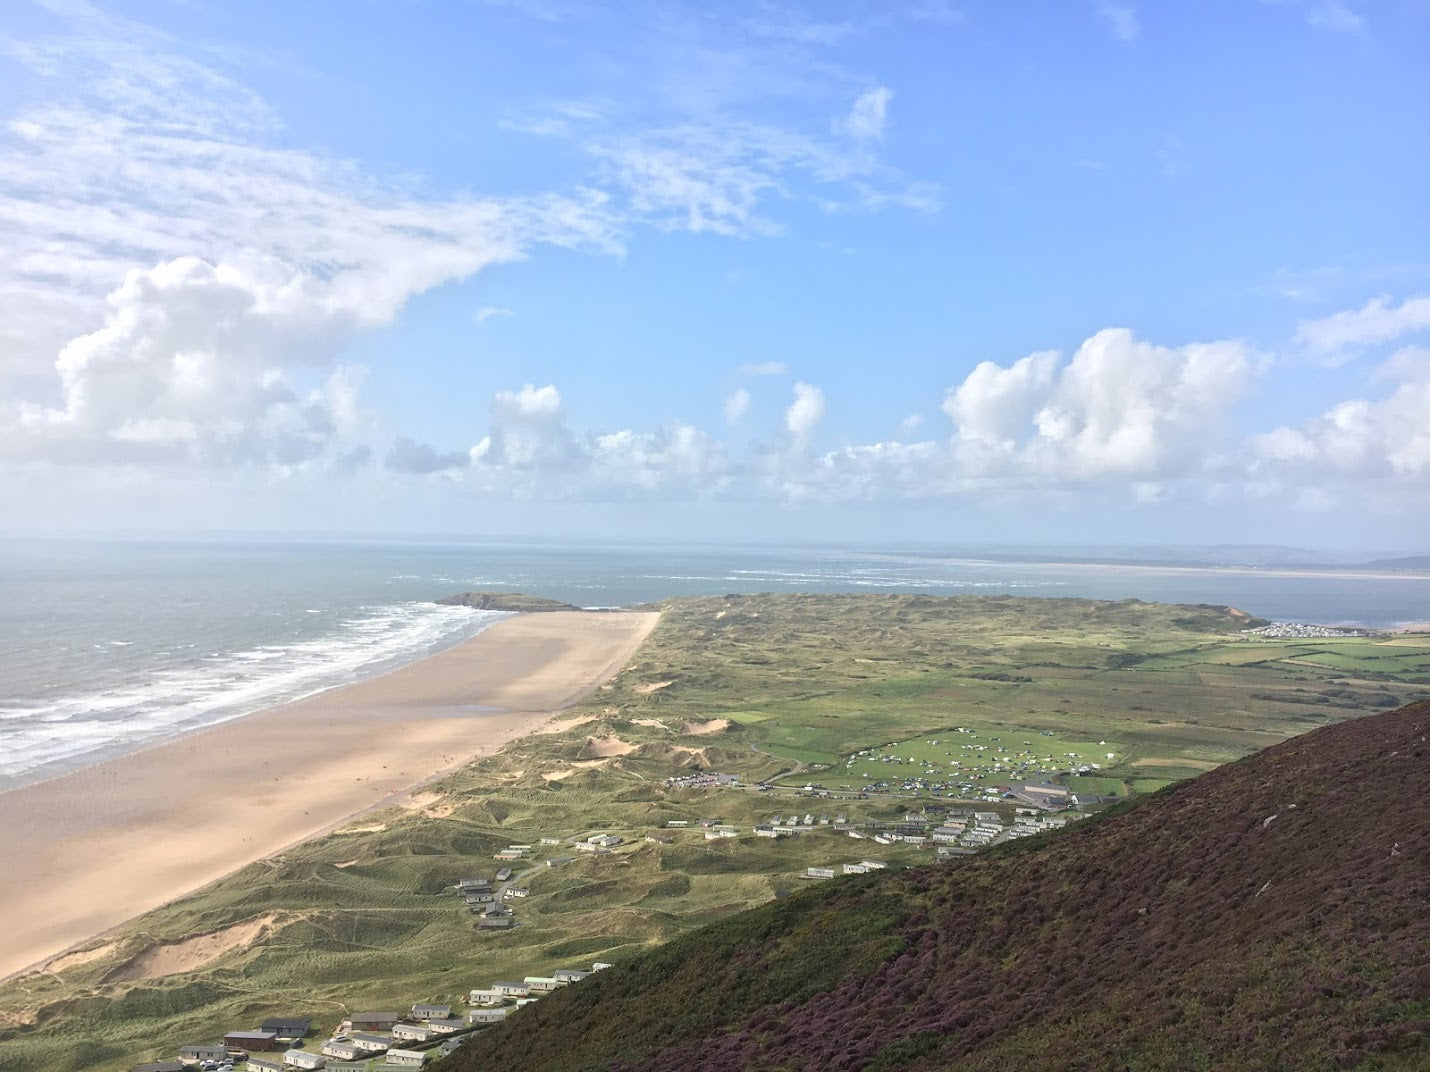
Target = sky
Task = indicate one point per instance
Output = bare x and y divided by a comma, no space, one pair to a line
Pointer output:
930,272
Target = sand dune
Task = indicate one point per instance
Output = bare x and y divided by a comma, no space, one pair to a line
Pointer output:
91,849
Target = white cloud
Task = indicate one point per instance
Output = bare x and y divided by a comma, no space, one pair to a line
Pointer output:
1375,322
487,312
868,114
532,451
1121,18
1359,441
235,270
1121,408
197,362
804,413
737,402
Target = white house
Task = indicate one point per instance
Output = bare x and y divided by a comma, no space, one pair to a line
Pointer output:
487,1016
370,1044
511,990
343,1050
306,1059
484,997
265,1064
405,1058
569,975
412,1032
541,984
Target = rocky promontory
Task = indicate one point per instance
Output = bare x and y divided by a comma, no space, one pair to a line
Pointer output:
508,601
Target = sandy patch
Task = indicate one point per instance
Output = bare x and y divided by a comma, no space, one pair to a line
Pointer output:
431,805
80,958
608,746
703,729
1194,764
191,954
653,723
365,828
653,686
346,863
561,725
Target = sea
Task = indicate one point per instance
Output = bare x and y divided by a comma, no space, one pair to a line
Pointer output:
107,646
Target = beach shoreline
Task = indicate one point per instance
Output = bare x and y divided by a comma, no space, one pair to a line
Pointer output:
95,847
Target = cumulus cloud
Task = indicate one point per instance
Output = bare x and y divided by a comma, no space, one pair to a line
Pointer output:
1120,407
1377,321
532,450
196,362
1360,439
736,403
868,114
804,413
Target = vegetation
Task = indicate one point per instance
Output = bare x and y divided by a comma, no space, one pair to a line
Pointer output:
767,687
1267,916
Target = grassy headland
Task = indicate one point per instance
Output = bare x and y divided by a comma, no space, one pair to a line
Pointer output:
765,687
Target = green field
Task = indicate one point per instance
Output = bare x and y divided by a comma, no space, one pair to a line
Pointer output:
363,917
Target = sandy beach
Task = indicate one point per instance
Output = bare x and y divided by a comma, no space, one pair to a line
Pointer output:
95,847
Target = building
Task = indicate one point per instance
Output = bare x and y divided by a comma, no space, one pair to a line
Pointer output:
251,1041
569,975
344,1050
304,1059
370,1044
428,1012
496,923
286,1028
265,1064
487,1016
404,1059
485,997
511,990
541,984
819,872
160,1066
374,1021
210,1052
517,891
446,1025
412,1032
503,874
551,841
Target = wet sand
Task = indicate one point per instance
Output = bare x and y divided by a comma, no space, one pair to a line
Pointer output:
95,847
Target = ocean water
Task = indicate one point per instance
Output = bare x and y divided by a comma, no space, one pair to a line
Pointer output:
107,646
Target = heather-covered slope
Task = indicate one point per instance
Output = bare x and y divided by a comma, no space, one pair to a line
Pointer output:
1273,914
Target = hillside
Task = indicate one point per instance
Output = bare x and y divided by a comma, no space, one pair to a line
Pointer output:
1268,915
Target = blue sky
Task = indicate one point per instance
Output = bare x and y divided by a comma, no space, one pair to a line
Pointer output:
934,272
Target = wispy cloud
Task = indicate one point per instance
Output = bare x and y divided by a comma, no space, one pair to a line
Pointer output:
1121,19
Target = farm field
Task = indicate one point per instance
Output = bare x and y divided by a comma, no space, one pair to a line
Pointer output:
788,688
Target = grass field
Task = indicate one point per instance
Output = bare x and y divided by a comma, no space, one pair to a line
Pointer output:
759,686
